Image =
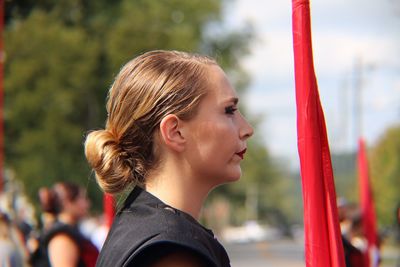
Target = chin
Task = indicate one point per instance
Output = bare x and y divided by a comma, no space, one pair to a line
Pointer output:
234,177
227,180
228,176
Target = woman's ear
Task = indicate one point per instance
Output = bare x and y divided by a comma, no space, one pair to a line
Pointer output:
170,133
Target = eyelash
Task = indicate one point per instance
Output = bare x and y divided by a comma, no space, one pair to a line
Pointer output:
230,110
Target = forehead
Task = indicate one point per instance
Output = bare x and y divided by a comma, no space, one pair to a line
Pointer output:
219,86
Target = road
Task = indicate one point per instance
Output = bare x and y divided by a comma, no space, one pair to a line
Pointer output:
288,253
282,253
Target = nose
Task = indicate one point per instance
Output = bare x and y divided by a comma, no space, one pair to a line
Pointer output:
246,130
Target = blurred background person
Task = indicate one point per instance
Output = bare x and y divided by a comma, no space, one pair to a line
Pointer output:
11,253
62,243
347,212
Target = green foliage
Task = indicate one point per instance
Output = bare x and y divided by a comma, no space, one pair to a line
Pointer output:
147,25
344,170
61,57
385,175
50,73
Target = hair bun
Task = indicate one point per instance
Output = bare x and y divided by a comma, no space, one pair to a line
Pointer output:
109,161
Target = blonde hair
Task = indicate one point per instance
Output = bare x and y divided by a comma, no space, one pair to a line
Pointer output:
149,87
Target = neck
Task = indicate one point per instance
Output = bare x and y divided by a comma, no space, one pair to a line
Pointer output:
67,218
179,192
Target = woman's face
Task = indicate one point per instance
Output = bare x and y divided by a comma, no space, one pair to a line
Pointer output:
216,136
80,206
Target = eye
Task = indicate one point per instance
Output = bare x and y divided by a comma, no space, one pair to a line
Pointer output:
230,110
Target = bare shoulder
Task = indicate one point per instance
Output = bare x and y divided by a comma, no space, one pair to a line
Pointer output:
63,251
62,240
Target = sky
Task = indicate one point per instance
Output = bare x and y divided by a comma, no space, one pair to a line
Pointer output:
356,46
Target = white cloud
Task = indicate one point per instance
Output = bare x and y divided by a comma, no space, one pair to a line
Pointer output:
383,96
271,101
261,12
272,57
338,51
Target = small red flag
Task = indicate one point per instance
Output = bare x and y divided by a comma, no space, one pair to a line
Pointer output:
367,208
109,209
323,241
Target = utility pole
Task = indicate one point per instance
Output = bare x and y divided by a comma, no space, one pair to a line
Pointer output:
343,107
358,96
360,69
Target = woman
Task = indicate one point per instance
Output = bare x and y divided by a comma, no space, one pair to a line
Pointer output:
173,133
11,252
62,242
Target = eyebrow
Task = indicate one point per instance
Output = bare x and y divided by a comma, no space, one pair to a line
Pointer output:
235,100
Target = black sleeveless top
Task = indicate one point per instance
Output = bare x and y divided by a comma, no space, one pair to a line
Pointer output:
146,227
88,253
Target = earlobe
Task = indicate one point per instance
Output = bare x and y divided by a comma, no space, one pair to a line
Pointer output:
170,133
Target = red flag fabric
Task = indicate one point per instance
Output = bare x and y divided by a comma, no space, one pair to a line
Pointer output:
323,242
367,208
109,209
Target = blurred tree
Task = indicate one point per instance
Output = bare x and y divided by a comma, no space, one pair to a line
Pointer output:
345,172
385,175
70,12
61,58
50,99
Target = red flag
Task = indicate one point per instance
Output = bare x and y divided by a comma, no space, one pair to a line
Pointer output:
109,209
323,241
367,208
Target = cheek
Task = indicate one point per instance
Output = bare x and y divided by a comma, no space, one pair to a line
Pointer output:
213,152
217,140
215,133
83,206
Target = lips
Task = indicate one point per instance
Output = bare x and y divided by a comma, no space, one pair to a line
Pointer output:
241,153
